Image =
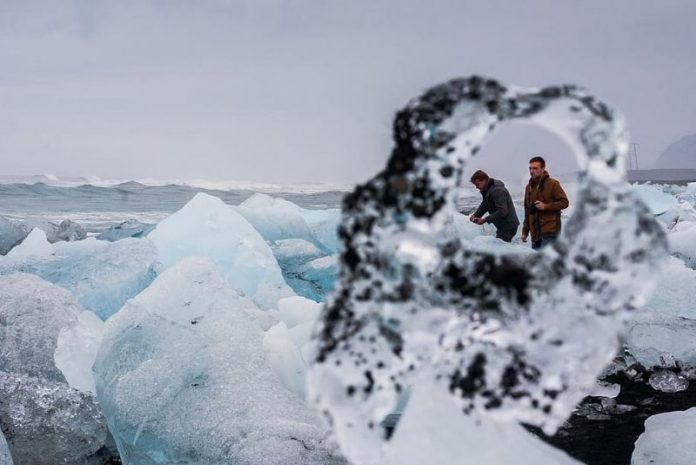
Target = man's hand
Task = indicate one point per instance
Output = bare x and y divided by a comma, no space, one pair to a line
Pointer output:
479,221
523,237
473,218
540,205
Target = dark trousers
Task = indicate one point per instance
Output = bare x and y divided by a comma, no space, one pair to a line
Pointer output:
543,242
506,234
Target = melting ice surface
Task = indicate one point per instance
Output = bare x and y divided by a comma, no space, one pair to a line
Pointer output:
668,439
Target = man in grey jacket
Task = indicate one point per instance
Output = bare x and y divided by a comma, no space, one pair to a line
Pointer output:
498,203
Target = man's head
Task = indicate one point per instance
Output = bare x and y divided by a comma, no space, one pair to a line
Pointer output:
479,179
537,166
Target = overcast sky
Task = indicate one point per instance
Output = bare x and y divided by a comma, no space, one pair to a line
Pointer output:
305,90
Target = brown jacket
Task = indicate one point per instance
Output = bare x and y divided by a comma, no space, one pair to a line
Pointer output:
549,191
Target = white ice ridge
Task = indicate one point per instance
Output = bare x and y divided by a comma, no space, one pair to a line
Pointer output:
182,378
513,336
207,227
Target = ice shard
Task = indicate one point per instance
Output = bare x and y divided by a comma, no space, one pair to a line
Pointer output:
517,337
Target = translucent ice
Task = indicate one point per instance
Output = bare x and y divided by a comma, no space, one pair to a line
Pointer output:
657,201
76,350
182,378
207,227
46,421
669,438
5,457
10,235
324,226
505,334
433,430
668,381
34,246
100,274
33,312
276,219
665,329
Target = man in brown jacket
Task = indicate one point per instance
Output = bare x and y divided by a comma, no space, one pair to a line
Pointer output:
544,199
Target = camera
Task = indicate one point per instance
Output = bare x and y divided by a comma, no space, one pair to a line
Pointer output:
531,208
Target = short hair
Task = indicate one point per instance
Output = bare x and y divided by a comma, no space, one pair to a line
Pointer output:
538,159
479,175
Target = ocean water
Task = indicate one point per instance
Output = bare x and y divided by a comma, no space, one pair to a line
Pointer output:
97,208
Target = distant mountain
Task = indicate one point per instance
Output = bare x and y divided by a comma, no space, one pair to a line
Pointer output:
681,154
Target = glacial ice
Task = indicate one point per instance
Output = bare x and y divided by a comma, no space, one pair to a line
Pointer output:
10,234
101,275
46,420
657,201
505,334
324,226
76,351
276,219
33,312
663,332
182,378
66,230
34,246
207,227
433,430
5,457
669,439
129,228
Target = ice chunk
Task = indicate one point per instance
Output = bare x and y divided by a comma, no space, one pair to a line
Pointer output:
665,329
5,457
276,219
130,228
67,230
324,226
285,358
34,246
513,337
295,310
669,438
668,381
433,430
48,422
33,312
658,202
207,227
182,378
101,275
10,235
76,351
290,252
682,243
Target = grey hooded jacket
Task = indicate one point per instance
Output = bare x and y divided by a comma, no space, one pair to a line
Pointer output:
498,203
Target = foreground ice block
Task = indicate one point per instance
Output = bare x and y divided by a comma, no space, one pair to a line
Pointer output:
669,438
46,421
33,312
182,378
207,227
50,423
434,431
